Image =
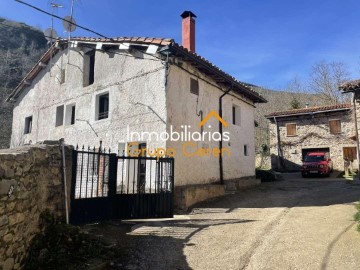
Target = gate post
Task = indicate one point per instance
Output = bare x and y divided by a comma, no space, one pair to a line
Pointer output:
113,162
73,182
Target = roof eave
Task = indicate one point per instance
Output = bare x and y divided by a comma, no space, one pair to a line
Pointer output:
305,113
252,95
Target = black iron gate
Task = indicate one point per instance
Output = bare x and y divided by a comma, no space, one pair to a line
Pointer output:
106,186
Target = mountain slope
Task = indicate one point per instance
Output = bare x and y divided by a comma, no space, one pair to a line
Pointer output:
20,48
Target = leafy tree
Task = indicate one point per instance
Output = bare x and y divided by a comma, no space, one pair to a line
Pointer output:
295,103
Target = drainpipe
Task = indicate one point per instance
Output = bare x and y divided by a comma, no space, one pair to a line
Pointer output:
220,131
64,177
357,136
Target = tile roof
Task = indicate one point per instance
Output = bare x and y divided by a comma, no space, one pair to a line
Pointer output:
145,40
302,111
350,86
200,62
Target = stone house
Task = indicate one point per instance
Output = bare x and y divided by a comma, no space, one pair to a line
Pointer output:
294,133
87,90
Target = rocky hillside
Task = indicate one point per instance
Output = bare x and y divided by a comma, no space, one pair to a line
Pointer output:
20,48
279,101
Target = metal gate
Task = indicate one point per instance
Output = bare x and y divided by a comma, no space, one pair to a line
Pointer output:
106,186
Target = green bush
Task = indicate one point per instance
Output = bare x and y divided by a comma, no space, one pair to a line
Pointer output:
265,175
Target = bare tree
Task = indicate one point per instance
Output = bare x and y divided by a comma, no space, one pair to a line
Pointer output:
325,80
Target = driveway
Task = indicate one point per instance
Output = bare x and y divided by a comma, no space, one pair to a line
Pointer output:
292,224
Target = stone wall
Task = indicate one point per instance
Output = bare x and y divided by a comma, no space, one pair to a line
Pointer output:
31,181
312,132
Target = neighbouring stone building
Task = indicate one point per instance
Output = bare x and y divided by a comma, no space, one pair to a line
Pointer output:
90,89
294,133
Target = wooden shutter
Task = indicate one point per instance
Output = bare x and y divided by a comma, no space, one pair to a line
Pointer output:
335,126
350,153
291,129
194,86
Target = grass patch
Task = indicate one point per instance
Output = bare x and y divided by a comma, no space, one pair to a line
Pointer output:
62,246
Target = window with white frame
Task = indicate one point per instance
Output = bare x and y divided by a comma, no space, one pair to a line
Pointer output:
70,114
102,106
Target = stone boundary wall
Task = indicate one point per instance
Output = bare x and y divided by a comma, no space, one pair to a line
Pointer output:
31,181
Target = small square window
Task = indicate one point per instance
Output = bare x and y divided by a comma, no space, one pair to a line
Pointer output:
70,115
246,153
59,116
89,68
28,125
335,126
62,76
102,106
194,86
236,115
290,130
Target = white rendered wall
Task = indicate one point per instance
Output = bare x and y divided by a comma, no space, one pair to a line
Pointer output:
184,108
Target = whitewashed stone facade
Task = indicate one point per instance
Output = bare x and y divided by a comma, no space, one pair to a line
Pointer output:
146,93
312,132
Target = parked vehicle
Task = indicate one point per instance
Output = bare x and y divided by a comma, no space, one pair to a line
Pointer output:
317,163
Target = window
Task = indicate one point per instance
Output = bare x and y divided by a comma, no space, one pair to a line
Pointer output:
246,150
236,115
290,130
335,126
89,68
102,106
28,125
62,76
70,115
59,116
194,86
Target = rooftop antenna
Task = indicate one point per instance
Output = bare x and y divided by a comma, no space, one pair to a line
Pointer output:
69,24
50,33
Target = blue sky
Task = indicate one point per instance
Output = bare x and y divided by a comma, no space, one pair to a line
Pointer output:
264,42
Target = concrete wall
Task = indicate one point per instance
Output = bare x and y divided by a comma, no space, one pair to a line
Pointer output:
185,108
136,92
30,183
312,132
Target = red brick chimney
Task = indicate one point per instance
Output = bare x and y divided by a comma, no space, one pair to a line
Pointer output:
188,30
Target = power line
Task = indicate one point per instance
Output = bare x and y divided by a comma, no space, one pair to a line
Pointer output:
82,27
71,22
83,45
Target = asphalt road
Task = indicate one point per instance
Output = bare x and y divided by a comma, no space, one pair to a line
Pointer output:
292,224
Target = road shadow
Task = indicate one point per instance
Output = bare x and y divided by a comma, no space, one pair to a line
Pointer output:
153,245
290,192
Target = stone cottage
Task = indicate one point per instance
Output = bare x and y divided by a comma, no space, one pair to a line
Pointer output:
87,90
294,133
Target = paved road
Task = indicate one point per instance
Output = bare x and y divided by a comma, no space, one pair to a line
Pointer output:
292,224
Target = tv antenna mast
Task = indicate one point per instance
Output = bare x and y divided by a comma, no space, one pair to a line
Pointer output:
69,24
50,33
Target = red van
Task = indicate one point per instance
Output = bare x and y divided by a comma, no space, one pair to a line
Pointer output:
317,163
